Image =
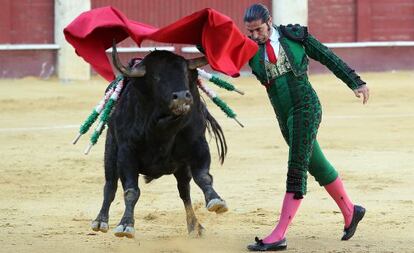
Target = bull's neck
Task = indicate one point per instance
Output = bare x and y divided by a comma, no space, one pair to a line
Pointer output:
170,125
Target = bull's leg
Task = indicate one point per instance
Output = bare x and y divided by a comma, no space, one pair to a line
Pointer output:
129,177
200,167
183,177
111,183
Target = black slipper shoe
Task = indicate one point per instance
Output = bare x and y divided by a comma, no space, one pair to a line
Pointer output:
261,246
359,212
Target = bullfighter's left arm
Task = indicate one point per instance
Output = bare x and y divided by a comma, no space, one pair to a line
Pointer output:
319,52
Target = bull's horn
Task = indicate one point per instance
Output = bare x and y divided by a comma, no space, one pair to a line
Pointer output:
197,62
135,72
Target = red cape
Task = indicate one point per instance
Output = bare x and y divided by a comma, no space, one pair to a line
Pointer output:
226,48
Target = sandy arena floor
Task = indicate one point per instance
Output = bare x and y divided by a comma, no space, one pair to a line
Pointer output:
50,191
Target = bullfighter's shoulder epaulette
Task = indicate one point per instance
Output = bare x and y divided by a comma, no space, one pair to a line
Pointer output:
294,32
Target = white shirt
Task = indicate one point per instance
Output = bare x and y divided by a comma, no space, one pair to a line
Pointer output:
274,41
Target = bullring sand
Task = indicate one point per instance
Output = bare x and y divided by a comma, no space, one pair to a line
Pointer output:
50,191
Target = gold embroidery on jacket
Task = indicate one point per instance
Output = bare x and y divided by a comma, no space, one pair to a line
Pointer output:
281,67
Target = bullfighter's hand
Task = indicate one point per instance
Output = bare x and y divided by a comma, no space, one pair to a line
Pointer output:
363,89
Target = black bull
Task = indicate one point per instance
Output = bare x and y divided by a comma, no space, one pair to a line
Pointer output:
158,128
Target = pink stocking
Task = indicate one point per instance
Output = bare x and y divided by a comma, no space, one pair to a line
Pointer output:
337,191
289,208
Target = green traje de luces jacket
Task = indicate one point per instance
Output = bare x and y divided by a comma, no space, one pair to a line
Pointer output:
298,45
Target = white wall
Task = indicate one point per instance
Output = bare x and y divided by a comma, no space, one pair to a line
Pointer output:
290,12
69,65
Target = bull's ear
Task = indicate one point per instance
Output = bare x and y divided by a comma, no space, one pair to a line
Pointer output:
197,62
135,72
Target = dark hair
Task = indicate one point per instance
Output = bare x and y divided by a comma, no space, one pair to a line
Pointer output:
256,12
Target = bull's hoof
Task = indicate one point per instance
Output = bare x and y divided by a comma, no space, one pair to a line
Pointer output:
217,205
127,231
197,232
99,226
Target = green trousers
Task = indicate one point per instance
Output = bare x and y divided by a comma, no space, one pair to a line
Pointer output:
299,113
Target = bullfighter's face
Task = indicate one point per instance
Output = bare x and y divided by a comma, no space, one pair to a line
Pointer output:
258,30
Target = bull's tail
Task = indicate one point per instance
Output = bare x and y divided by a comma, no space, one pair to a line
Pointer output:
214,126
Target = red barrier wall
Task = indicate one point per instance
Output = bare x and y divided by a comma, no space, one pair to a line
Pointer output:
32,21
27,22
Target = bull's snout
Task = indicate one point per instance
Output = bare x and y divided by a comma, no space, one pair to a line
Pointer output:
181,102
